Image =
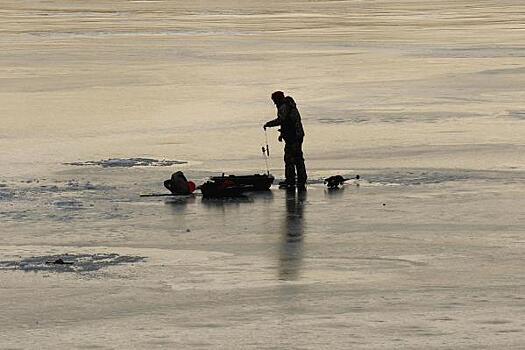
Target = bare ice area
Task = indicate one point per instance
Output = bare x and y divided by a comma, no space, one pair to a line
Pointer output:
102,100
402,257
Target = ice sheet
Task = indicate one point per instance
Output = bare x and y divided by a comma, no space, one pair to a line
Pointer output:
422,99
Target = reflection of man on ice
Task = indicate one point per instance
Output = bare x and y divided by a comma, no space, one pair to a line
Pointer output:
289,119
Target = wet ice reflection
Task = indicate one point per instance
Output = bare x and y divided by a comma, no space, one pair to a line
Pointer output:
291,250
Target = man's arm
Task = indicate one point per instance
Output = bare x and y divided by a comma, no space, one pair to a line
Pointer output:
276,122
281,113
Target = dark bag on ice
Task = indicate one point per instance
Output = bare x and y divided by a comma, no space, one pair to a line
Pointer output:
178,184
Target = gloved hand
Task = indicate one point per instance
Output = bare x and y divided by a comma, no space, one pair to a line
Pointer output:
265,126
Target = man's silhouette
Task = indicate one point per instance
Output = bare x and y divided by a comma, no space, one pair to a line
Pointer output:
289,119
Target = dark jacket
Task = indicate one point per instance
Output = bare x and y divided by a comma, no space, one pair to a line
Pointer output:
289,118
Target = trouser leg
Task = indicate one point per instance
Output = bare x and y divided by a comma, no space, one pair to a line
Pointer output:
289,163
299,163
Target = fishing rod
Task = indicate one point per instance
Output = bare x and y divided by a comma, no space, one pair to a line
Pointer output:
266,152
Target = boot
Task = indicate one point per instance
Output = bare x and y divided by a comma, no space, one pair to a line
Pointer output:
286,185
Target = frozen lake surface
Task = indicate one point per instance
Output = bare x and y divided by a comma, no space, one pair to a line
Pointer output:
101,101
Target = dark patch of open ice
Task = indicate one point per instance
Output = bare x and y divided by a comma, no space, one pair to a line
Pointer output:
413,177
363,116
72,262
404,177
416,177
471,52
517,114
127,162
68,204
69,186
6,194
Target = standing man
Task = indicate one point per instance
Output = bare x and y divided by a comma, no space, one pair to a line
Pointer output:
289,119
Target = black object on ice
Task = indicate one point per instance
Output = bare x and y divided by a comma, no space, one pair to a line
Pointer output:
212,189
283,185
179,185
59,261
256,182
286,186
235,186
336,181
